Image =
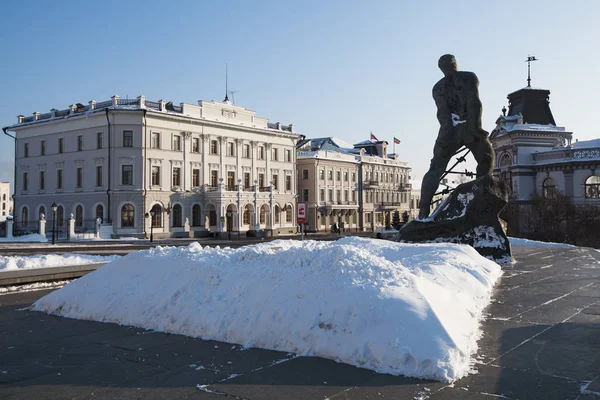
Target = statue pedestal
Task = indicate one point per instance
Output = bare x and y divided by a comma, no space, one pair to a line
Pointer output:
468,216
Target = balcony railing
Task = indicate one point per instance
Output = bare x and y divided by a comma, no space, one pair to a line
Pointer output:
371,184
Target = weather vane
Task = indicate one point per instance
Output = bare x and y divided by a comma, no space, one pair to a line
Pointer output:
528,61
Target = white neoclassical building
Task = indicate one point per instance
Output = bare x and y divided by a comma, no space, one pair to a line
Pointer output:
179,170
5,200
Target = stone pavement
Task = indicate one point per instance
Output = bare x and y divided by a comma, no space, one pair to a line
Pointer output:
541,341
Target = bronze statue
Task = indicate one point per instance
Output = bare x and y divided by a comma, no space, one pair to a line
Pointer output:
456,96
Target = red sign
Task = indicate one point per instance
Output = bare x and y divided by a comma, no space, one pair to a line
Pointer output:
302,213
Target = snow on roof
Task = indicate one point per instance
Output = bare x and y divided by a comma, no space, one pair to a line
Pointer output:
410,309
341,143
586,144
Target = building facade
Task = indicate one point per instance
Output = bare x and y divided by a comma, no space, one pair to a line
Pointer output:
5,201
356,187
536,157
141,166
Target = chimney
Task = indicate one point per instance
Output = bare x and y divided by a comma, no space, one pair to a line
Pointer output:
142,101
20,119
92,105
115,100
36,115
163,105
53,112
72,109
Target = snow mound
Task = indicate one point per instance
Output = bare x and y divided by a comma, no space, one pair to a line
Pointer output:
402,309
50,260
515,242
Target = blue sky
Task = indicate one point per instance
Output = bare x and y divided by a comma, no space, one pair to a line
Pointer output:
333,68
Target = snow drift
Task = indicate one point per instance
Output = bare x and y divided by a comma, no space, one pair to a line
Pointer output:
409,309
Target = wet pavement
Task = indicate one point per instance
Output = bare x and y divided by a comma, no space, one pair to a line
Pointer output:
541,341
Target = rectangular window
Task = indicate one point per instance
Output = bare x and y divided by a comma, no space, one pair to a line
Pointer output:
322,174
195,145
155,176
155,140
230,180
354,177
345,195
195,177
80,143
304,194
99,143
346,176
231,149
127,138
126,174
330,175
338,176
59,178
61,145
261,153
338,195
25,181
98,175
304,174
353,196
176,143
330,195
43,148
26,150
247,179
288,182
288,155
214,176
276,182
261,180
79,175
246,153
275,154
213,147
42,180
176,176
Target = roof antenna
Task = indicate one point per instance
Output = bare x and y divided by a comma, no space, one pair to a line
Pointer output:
232,92
528,61
226,91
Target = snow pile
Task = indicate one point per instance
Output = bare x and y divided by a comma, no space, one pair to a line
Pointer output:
33,237
410,309
50,260
516,242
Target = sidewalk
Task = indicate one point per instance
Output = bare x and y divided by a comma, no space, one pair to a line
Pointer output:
541,341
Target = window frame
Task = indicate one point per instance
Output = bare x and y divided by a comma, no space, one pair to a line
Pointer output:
129,174
127,139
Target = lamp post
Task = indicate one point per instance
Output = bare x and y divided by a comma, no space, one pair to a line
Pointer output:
152,226
54,207
229,223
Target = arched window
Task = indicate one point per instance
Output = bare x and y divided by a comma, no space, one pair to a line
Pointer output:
79,216
100,212
505,160
288,213
177,215
127,214
196,215
157,217
592,187
24,216
277,213
42,212
262,215
60,216
549,188
212,216
246,215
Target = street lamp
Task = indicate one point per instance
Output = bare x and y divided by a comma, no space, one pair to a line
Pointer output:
229,223
54,207
151,215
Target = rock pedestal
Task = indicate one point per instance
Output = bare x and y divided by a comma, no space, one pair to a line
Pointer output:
469,216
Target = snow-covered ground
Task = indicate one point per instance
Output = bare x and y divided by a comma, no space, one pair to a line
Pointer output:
33,237
409,309
50,260
534,243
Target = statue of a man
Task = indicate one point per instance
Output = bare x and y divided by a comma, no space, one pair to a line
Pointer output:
456,96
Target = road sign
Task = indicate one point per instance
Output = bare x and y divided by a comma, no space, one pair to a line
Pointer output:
301,213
